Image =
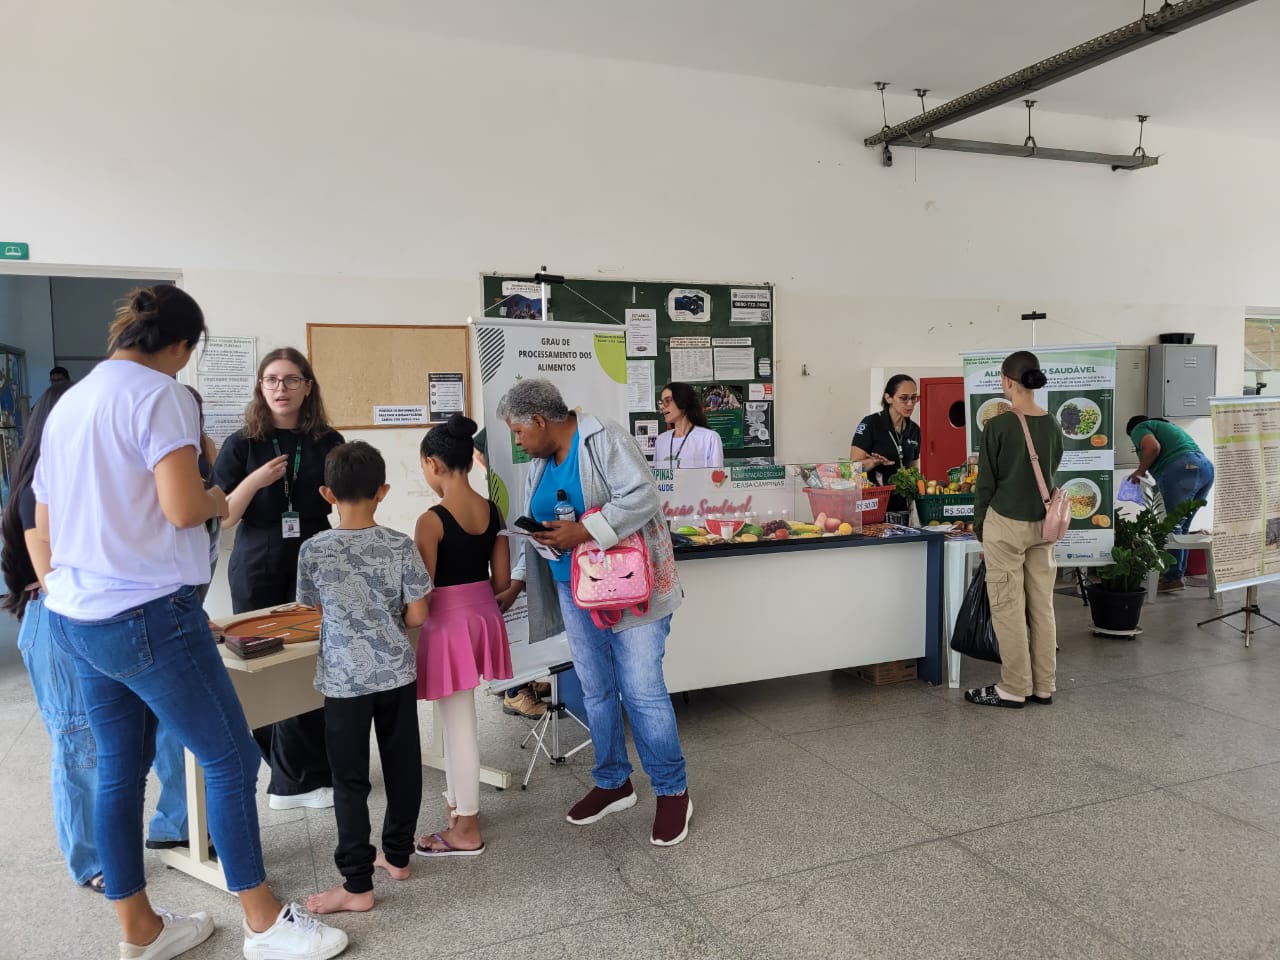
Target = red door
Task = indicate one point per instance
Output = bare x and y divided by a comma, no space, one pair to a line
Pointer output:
942,415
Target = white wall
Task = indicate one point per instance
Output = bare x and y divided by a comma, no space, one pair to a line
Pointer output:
314,171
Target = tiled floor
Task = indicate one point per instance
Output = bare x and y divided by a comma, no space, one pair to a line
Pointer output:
1137,817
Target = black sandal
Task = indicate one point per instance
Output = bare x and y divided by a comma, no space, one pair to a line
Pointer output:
988,697
97,884
1032,698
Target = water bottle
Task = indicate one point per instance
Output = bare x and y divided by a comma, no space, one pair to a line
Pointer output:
564,509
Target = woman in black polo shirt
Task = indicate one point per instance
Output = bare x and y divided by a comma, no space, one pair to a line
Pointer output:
889,440
272,470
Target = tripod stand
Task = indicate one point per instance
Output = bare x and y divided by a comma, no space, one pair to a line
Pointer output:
1250,610
548,729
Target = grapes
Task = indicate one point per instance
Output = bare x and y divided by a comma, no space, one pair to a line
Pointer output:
773,526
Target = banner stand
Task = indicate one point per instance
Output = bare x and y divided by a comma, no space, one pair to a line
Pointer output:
1250,610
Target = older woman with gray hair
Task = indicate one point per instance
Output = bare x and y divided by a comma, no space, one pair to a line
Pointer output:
596,463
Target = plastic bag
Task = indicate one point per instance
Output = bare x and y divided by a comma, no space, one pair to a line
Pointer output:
1131,492
975,635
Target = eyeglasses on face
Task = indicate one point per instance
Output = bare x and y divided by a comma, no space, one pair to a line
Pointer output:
666,402
908,397
289,383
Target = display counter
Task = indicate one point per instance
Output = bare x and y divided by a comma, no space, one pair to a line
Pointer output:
788,608
758,605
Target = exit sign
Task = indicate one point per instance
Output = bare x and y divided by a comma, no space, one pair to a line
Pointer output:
14,251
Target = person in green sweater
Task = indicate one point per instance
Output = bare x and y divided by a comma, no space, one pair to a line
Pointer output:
1008,513
1181,471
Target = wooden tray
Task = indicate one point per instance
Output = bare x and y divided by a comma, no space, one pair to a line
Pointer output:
291,626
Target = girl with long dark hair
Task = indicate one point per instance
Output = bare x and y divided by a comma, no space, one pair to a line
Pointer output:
272,470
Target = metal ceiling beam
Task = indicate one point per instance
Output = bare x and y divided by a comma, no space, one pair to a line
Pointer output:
1116,161
1170,19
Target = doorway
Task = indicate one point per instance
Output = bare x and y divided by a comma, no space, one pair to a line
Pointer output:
53,316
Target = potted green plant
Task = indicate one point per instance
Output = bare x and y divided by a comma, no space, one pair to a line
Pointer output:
1116,602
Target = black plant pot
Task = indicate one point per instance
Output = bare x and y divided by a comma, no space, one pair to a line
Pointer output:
1114,611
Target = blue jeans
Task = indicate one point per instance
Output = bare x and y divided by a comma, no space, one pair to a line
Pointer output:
74,763
620,670
159,663
1188,477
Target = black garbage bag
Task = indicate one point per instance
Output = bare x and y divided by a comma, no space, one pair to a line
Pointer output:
975,635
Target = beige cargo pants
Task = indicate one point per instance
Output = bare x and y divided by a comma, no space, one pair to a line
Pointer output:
1020,577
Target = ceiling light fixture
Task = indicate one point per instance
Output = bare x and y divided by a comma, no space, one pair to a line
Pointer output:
918,132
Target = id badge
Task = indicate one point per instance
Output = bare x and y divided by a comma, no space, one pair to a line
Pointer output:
290,525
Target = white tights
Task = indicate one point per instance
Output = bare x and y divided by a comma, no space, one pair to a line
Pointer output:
461,752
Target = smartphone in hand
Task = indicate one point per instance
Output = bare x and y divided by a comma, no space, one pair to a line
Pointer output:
529,525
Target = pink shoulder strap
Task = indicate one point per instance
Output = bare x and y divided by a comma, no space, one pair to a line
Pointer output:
1035,457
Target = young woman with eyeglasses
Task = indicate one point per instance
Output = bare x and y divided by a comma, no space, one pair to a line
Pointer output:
272,470
889,440
688,441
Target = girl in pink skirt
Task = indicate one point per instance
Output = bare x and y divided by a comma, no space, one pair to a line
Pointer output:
465,637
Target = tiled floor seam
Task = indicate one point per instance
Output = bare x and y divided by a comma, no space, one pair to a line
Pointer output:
25,726
870,789
1151,788
1043,897
1171,790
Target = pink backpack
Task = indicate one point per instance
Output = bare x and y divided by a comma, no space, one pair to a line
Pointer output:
608,583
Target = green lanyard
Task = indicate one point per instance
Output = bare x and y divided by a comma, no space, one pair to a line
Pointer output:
297,465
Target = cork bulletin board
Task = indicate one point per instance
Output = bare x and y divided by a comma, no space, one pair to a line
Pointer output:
387,376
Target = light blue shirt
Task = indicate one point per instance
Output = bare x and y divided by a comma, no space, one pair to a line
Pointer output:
542,506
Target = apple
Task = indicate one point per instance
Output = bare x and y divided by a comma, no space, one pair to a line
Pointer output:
718,477
782,534
833,524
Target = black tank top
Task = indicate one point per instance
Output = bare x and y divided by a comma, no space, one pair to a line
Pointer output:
464,557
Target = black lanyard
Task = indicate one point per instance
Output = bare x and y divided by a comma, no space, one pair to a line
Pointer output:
676,456
297,465
893,437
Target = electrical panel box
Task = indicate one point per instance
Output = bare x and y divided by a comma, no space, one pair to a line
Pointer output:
1180,379
1131,399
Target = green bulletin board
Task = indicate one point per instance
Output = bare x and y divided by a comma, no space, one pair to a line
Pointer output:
717,337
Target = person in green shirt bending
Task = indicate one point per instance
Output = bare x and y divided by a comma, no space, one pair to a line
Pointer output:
1181,471
1008,518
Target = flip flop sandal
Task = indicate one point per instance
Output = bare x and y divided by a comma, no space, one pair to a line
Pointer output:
423,850
97,884
987,697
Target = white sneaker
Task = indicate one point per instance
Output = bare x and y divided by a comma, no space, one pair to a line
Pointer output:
179,934
319,799
296,935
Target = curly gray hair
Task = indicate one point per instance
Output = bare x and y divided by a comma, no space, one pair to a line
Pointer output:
529,398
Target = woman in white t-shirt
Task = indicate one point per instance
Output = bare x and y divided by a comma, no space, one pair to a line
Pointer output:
689,442
122,507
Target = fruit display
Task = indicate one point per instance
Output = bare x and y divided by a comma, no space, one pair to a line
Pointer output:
738,531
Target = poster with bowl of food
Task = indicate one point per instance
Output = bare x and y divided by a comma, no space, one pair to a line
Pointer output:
1080,419
988,410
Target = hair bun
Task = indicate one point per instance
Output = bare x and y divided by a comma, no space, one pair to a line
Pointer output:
1034,379
461,426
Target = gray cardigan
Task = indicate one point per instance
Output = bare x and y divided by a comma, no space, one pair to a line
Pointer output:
616,478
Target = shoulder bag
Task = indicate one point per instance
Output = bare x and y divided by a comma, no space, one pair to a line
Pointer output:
1057,508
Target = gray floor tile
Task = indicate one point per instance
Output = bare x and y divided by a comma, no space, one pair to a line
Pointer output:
674,932
1164,876
822,700
1249,795
962,769
748,804
933,900
1249,689
1152,736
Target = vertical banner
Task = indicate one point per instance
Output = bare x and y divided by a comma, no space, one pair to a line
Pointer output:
588,363
1246,503
1080,396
